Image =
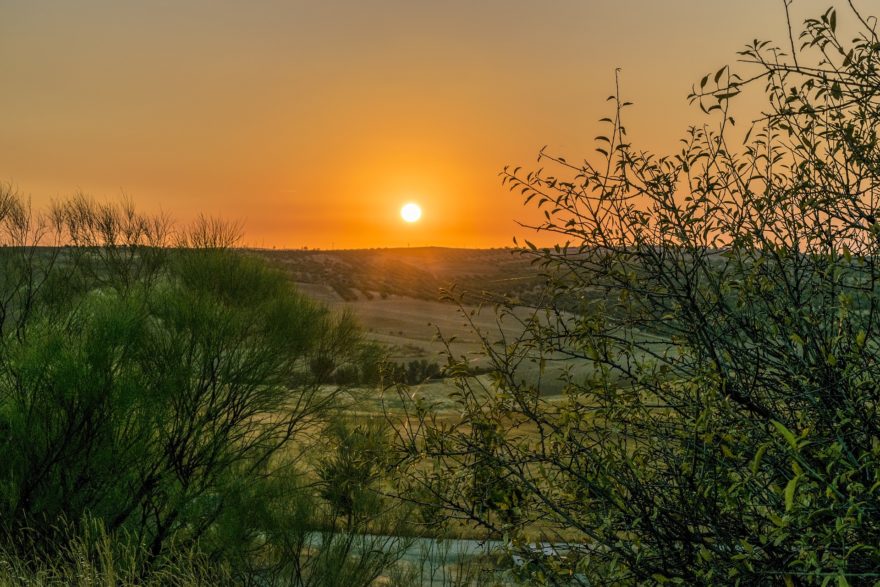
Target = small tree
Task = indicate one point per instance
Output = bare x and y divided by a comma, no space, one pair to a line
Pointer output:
726,298
144,378
351,473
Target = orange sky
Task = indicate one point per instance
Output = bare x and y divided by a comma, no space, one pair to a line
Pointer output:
313,122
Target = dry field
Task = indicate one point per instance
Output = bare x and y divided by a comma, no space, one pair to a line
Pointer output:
400,298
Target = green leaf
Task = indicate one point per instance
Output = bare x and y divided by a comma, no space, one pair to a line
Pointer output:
756,462
860,338
786,433
789,493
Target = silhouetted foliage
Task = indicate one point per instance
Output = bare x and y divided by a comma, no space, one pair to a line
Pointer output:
728,297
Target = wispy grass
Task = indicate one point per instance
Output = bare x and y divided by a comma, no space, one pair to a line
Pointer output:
90,556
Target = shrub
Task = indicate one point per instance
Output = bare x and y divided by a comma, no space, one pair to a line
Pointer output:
159,386
727,301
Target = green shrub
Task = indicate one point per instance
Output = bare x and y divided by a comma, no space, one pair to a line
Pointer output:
727,431
163,396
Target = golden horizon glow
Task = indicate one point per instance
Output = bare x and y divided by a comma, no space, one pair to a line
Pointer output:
312,122
411,212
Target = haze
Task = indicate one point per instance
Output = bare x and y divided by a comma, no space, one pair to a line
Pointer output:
313,122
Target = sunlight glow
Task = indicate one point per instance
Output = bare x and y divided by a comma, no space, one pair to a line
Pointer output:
411,212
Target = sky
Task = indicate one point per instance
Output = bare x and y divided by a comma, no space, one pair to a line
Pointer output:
312,123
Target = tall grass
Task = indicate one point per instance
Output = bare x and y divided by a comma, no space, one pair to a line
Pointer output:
87,555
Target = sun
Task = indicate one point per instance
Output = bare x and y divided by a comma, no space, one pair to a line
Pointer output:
411,212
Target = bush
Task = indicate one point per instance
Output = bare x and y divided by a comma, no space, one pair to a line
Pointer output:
727,301
413,372
163,388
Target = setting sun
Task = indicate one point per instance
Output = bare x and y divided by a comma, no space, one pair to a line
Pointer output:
411,212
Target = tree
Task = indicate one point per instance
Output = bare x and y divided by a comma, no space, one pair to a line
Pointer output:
158,383
726,299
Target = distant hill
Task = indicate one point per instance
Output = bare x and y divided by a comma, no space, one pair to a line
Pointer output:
420,273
